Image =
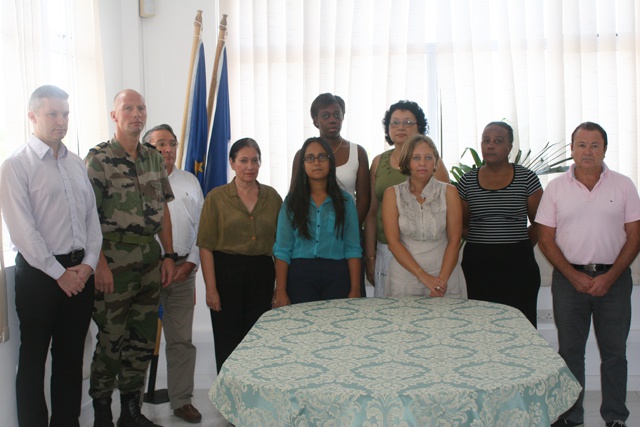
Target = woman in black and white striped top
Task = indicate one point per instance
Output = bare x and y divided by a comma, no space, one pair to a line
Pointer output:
497,198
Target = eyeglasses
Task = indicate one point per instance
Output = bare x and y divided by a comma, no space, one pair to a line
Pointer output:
406,123
322,157
163,144
326,115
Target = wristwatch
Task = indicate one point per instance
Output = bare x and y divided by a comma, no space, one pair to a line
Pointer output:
171,255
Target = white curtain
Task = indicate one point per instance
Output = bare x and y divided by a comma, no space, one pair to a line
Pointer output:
543,66
49,42
282,54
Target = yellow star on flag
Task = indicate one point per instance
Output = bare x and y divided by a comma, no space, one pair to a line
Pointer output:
198,167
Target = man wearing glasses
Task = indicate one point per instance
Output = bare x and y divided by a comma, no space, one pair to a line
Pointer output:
177,299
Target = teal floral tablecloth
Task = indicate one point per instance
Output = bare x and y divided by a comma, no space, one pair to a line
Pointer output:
379,362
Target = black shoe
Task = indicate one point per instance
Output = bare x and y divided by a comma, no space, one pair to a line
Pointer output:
102,412
616,423
566,423
130,415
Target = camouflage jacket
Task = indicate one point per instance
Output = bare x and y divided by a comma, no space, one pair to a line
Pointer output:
130,194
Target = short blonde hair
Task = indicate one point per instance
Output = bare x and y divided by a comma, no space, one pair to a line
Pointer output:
407,151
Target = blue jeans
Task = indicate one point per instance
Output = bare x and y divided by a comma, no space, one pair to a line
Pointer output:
611,322
317,279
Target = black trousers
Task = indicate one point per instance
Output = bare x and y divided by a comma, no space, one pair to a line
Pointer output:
49,317
245,285
505,274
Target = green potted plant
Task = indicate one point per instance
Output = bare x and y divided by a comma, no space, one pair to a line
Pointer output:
549,160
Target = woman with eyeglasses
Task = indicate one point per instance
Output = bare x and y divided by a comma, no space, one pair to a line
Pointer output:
317,248
422,220
235,237
403,120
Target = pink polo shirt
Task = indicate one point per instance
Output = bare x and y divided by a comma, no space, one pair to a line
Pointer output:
590,224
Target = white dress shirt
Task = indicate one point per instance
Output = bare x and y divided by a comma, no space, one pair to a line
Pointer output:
185,213
49,206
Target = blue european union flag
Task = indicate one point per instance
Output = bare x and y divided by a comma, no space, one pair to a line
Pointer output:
197,121
216,166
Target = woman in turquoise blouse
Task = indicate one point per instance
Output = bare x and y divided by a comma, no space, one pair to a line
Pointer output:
317,246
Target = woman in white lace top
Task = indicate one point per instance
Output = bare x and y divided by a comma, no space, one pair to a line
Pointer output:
422,220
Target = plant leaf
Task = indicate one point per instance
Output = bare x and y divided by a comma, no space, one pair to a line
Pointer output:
548,160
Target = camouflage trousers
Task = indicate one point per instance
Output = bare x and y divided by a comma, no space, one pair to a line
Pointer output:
127,319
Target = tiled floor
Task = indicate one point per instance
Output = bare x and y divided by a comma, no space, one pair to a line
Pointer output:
162,414
592,401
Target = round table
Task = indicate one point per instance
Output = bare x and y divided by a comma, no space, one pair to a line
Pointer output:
394,362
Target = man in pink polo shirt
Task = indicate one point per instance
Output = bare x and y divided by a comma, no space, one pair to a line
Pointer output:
590,232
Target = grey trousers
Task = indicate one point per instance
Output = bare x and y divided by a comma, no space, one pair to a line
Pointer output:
611,323
177,301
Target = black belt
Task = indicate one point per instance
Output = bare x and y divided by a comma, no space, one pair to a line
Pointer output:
591,268
72,258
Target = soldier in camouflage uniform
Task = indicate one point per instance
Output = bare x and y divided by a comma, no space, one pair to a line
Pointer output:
132,191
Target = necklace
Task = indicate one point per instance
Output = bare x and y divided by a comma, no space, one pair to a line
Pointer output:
338,147
419,195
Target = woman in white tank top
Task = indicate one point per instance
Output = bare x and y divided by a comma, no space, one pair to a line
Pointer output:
352,162
327,112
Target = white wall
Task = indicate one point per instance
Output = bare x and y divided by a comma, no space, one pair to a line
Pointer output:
151,55
9,359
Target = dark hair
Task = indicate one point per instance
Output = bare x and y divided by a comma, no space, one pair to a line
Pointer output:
147,136
324,100
407,151
506,126
242,143
421,119
46,91
590,126
300,195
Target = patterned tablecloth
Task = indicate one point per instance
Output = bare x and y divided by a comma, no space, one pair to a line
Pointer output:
394,362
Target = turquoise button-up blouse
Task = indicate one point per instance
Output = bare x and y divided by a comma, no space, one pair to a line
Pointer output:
323,242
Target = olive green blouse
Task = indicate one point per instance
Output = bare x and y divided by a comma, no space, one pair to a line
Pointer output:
386,177
227,226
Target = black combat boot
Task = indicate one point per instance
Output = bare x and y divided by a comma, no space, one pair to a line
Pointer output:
102,412
130,415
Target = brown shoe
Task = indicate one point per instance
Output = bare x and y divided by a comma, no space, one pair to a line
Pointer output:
188,413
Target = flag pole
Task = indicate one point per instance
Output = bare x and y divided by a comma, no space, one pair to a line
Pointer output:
222,31
197,26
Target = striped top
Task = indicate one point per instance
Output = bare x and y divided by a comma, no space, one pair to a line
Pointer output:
498,216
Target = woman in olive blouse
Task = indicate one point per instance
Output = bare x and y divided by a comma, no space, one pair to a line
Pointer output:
236,236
